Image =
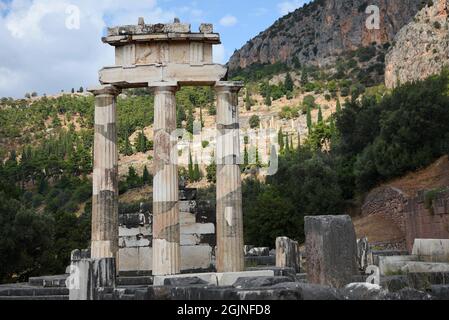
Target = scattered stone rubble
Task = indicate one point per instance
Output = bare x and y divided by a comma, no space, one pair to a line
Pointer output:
423,275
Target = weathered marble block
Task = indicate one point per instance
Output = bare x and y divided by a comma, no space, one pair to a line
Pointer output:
89,275
287,253
331,250
431,250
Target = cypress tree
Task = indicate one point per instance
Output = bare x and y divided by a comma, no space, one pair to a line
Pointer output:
320,115
146,178
288,84
338,106
281,139
309,118
257,157
190,120
128,150
190,170
268,100
196,171
304,77
248,101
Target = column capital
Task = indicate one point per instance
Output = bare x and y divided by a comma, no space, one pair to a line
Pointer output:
233,86
105,90
163,86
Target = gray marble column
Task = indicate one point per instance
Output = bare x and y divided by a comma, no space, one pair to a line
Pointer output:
230,257
166,227
105,175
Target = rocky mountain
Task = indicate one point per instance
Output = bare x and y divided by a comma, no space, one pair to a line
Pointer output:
421,47
323,29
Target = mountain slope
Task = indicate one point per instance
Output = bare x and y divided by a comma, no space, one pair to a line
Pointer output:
321,30
421,48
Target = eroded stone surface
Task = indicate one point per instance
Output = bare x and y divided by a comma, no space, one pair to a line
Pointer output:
331,250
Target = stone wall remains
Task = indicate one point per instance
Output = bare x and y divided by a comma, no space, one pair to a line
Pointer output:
423,223
197,219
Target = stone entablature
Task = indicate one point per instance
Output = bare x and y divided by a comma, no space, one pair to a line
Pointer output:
162,52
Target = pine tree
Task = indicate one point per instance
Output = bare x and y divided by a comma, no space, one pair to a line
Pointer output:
288,84
338,106
320,115
287,143
245,157
142,144
133,179
128,150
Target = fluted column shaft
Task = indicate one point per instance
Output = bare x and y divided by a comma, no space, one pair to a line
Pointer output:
166,227
230,257
105,175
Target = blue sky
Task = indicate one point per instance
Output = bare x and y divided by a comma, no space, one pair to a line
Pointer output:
40,53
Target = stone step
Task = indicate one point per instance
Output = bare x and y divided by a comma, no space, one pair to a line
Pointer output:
33,292
57,297
110,296
48,281
135,274
134,281
424,280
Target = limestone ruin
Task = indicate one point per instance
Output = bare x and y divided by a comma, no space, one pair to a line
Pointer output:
164,57
333,266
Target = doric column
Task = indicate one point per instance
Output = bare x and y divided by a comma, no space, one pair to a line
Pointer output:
166,228
230,257
105,175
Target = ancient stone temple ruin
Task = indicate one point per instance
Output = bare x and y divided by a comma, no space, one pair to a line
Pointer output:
163,57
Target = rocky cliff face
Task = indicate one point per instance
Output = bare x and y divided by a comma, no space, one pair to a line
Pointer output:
421,47
323,29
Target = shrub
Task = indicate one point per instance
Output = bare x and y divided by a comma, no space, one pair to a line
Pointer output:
254,122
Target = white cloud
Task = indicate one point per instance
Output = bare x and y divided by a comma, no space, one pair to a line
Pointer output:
289,6
228,21
219,54
38,53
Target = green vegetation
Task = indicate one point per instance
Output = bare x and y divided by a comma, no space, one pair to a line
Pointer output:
430,196
289,113
365,143
46,148
254,122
